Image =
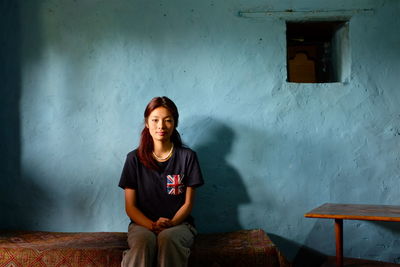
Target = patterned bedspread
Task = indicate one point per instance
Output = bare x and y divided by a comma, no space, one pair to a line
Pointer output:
23,248
61,249
241,248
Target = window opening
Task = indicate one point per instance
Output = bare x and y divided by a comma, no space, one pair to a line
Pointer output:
317,51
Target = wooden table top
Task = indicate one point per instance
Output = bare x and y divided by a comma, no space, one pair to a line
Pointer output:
356,212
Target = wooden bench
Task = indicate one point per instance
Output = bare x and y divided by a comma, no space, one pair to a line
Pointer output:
33,248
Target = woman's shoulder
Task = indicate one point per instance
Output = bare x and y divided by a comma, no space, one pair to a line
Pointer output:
132,154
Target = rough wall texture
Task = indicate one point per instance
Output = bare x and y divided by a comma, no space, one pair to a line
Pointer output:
270,150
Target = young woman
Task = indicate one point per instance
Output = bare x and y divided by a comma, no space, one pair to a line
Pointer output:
159,179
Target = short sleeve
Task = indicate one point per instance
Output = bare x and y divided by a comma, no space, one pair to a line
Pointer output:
129,172
194,175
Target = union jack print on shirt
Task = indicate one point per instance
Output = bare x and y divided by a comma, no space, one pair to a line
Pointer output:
174,184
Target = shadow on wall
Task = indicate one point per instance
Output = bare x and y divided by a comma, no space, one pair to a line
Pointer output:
309,257
216,208
18,192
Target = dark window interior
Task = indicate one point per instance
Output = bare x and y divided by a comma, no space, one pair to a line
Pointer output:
309,51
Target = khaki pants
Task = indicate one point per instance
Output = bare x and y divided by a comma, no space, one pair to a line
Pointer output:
170,248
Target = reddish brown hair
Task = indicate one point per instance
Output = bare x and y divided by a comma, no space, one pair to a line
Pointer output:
146,145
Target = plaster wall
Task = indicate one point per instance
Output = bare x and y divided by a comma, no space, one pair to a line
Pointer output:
270,150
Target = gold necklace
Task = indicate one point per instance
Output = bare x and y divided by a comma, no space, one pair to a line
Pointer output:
167,157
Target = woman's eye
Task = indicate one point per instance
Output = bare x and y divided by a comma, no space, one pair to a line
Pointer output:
154,120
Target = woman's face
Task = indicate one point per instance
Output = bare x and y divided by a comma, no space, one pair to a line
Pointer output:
161,124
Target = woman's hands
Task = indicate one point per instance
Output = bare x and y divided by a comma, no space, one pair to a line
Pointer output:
164,222
161,224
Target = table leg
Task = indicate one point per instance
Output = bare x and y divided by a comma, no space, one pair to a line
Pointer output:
339,242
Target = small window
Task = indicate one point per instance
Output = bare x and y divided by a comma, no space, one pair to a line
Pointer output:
317,51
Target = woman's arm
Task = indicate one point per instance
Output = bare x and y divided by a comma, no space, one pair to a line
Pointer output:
133,212
186,208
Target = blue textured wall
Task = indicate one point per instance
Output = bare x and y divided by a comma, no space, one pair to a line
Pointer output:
80,73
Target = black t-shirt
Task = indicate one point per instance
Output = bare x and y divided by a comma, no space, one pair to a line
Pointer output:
161,194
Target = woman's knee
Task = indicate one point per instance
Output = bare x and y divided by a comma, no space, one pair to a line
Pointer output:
141,239
167,238
179,236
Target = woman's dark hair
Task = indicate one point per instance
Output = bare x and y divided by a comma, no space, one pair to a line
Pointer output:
146,145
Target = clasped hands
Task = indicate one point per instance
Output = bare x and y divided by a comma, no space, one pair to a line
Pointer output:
161,224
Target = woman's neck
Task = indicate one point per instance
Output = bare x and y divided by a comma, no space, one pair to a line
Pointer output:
162,150
162,147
